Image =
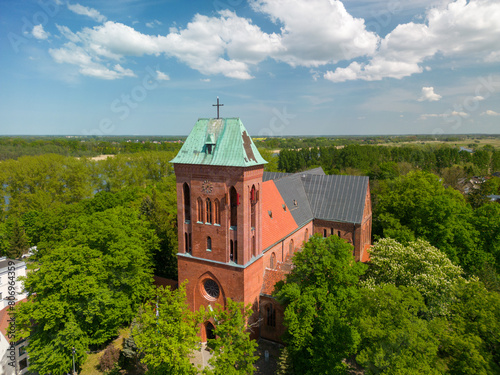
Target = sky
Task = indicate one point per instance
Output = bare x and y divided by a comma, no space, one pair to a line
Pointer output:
284,67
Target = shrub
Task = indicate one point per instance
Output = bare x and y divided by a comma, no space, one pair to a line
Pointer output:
109,359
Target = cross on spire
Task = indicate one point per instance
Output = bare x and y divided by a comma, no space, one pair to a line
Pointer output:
217,105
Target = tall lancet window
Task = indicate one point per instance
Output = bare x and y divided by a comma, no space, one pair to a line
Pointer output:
199,207
187,202
253,204
234,202
216,211
209,211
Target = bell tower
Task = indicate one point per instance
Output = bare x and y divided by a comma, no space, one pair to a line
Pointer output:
219,178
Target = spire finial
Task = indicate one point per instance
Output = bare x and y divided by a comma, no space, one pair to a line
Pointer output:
217,105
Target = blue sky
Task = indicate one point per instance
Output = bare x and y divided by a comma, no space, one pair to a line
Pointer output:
285,67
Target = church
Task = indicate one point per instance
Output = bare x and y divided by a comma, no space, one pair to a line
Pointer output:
239,226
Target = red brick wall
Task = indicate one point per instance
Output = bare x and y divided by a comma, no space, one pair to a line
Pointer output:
358,235
222,178
268,331
281,249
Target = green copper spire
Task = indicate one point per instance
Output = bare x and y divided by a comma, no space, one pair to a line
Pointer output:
223,141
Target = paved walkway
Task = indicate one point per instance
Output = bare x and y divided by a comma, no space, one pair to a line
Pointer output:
201,356
263,366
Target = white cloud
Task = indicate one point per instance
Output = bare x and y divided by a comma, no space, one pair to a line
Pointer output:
460,29
443,115
153,23
160,76
225,45
489,112
39,33
312,33
68,34
86,11
493,57
478,98
429,95
317,32
205,80
70,53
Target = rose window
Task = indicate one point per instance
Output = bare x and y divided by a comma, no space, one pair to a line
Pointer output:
211,288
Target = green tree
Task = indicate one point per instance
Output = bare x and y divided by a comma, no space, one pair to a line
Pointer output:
160,209
487,222
417,265
233,350
418,206
395,340
166,333
18,241
85,288
319,295
271,158
470,338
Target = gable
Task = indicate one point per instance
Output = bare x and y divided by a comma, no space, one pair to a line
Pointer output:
282,223
293,193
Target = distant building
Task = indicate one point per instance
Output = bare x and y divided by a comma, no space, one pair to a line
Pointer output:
10,271
238,226
13,357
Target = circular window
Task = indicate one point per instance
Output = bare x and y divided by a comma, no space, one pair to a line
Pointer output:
211,289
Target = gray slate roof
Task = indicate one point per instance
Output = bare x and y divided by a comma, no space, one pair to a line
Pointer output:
274,176
295,197
278,175
314,195
337,198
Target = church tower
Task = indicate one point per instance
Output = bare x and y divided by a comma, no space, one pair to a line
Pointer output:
219,179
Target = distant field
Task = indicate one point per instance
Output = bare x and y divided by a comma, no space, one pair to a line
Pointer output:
495,142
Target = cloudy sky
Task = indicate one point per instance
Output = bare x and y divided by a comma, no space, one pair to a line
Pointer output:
285,67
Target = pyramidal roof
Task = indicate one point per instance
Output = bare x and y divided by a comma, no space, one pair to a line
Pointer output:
223,141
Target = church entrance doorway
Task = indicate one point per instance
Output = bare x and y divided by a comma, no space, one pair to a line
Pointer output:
209,331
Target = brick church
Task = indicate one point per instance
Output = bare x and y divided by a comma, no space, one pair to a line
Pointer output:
240,226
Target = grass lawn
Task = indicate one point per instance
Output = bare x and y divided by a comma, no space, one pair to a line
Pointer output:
91,365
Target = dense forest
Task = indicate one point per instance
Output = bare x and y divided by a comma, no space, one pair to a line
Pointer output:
14,147
428,302
383,162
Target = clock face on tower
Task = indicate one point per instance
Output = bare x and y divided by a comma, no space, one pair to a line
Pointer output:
206,187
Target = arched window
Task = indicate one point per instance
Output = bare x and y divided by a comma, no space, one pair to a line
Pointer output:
233,202
306,235
209,211
189,241
324,232
291,247
270,316
210,331
253,204
254,247
187,202
216,211
200,210
331,231
272,261
186,243
233,251
209,244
